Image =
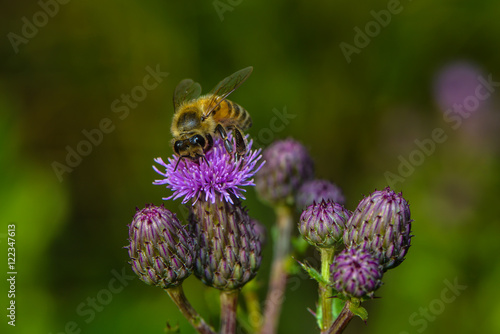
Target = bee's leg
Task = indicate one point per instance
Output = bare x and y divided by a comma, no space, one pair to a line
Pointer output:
240,142
210,143
223,134
204,158
177,164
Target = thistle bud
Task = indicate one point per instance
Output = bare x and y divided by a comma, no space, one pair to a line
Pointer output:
356,273
317,191
323,224
161,250
381,224
288,165
230,249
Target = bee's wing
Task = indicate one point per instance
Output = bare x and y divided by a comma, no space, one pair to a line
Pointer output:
186,90
226,87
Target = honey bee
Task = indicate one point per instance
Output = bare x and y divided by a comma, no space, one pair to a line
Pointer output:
198,118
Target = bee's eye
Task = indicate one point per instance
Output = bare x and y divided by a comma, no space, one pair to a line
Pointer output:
177,146
198,140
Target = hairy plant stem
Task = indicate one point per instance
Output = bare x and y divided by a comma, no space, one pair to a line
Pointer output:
277,282
325,290
179,298
228,306
342,320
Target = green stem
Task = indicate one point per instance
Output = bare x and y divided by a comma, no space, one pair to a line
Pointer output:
253,308
325,290
179,298
228,305
342,320
277,283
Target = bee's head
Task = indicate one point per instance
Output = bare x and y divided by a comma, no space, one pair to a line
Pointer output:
193,147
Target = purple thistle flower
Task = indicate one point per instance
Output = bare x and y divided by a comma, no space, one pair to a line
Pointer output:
162,251
456,86
381,224
356,273
229,253
220,179
288,165
316,191
322,224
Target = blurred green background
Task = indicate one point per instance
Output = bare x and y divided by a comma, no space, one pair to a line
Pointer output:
359,119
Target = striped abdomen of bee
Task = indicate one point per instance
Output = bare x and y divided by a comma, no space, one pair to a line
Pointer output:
231,116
